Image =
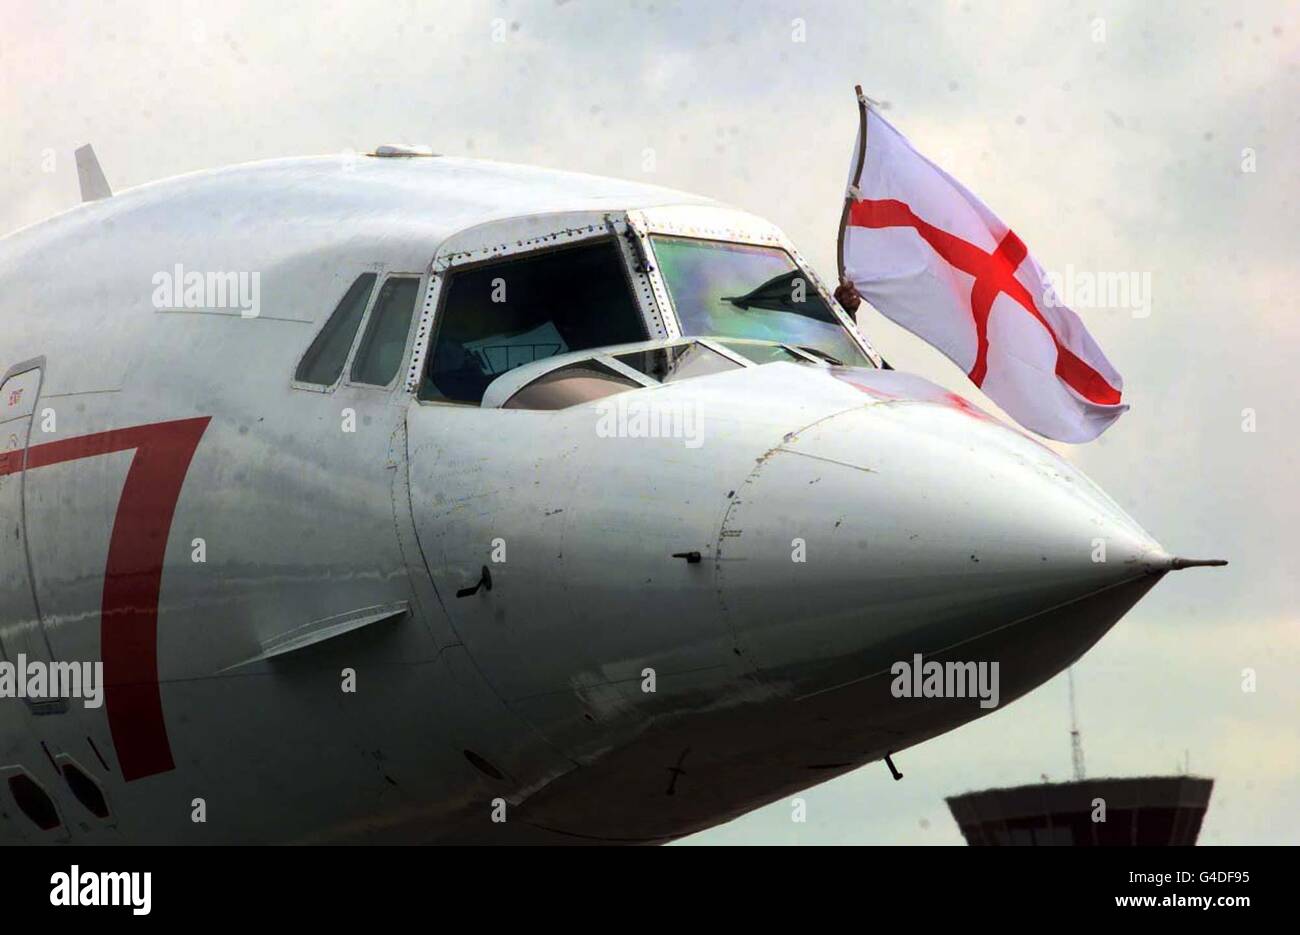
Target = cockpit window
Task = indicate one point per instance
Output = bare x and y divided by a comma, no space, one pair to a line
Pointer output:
677,362
323,362
748,291
384,343
499,316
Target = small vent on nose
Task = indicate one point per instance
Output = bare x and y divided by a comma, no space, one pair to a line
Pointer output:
391,150
483,766
484,583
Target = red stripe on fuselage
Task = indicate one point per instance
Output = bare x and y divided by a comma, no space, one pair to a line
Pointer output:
133,575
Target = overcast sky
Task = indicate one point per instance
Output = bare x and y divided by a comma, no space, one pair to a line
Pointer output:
1112,136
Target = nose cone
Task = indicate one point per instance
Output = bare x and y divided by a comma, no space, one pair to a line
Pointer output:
910,526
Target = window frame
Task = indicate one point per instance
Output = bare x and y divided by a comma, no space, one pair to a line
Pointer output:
502,390
727,225
422,284
325,322
344,379
837,313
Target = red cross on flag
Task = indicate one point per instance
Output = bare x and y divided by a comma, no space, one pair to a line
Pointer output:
932,257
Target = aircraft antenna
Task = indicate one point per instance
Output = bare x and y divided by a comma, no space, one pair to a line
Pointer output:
1076,741
90,176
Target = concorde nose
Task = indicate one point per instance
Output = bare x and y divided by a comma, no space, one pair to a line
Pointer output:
915,527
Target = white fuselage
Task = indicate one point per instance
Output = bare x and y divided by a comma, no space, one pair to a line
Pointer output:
285,582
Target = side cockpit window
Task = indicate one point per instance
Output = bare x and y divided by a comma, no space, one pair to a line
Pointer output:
498,316
323,363
383,345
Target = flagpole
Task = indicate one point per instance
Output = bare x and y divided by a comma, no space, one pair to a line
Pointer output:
857,177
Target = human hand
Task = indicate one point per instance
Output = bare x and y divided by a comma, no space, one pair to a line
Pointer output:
847,295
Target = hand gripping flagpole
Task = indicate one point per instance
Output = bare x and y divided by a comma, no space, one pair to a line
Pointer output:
857,177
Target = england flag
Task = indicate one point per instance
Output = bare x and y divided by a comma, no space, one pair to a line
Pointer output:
932,257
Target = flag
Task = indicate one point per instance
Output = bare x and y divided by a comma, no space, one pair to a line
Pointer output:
933,258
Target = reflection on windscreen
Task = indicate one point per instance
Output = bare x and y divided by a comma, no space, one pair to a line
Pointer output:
747,291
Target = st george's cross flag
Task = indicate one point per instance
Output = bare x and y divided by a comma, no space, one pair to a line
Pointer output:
933,258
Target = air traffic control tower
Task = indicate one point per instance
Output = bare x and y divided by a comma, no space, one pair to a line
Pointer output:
1139,811
1160,811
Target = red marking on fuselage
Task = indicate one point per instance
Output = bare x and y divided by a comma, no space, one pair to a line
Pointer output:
847,376
943,398
132,575
994,273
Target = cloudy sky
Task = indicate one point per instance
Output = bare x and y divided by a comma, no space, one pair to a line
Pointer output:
1147,137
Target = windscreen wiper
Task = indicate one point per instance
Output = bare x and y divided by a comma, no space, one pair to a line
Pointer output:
822,354
777,294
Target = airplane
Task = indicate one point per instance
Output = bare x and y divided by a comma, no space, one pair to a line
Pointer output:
417,499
